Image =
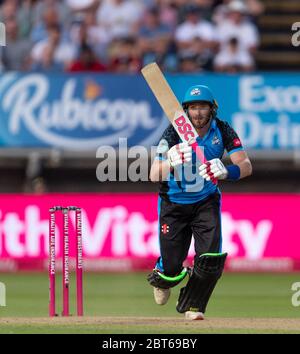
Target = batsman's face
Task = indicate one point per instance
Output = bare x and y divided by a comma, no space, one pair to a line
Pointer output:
200,114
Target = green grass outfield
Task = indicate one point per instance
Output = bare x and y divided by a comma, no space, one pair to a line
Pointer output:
123,303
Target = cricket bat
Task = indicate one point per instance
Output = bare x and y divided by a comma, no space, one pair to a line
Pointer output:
171,107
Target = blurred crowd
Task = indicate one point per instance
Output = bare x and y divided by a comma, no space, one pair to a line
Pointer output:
121,36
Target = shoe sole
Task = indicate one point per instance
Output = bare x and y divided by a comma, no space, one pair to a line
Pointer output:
199,317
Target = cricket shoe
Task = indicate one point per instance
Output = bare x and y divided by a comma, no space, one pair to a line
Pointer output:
193,315
161,296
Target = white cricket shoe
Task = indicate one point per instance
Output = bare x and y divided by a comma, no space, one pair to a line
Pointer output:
161,296
193,315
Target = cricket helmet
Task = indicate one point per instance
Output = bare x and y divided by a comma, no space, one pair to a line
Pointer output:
200,93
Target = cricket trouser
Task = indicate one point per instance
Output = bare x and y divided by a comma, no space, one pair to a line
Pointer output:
177,224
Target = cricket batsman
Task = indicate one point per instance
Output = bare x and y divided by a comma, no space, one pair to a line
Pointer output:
189,203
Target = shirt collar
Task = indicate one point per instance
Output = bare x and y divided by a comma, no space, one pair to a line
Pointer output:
212,128
213,125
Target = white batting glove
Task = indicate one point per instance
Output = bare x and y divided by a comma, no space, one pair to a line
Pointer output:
212,170
179,154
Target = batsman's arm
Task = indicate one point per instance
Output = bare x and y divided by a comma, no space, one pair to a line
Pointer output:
160,170
241,159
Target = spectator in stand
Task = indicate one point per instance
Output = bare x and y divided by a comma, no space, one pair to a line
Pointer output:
168,13
81,6
162,55
53,53
12,9
155,41
181,6
126,34
49,13
237,25
98,37
195,36
125,56
8,9
87,61
233,58
205,6
152,28
85,29
26,14
220,12
15,55
189,64
120,17
254,9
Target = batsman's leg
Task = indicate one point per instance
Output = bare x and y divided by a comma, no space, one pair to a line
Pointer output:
208,262
162,284
174,239
194,296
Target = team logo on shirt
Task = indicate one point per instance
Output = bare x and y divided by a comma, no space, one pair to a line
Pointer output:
216,140
165,228
195,92
237,142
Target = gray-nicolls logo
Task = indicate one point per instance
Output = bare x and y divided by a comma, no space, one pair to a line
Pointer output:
2,294
2,35
296,35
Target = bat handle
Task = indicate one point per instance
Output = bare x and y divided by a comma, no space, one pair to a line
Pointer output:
200,155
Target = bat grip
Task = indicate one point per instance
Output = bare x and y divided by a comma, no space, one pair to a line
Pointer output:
201,157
